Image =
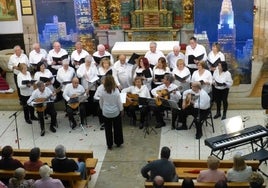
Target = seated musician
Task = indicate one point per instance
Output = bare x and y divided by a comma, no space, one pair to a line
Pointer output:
167,90
42,98
195,102
71,94
134,92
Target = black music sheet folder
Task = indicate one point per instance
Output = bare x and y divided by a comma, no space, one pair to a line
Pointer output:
159,78
57,59
220,84
215,63
132,59
98,59
181,79
191,58
80,61
26,82
147,73
45,79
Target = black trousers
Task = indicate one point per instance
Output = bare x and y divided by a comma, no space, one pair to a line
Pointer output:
113,131
16,83
221,95
82,113
198,114
27,110
50,109
144,110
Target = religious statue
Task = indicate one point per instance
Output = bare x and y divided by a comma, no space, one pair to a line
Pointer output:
188,11
150,5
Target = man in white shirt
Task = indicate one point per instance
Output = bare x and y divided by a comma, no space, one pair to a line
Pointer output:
122,72
153,54
197,53
78,55
173,57
37,55
195,102
71,94
100,53
55,57
44,96
14,61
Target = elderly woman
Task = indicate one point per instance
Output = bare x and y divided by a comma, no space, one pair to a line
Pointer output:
240,171
212,174
46,181
18,180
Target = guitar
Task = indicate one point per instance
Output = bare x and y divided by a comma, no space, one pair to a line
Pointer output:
132,100
190,99
164,94
40,103
74,101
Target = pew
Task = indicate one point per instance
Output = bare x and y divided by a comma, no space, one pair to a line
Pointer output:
190,168
201,185
73,178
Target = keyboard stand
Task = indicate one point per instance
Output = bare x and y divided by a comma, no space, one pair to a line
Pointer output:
260,155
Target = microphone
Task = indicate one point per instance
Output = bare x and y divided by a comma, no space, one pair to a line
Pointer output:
14,114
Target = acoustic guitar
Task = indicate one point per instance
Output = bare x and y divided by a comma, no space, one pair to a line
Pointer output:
40,103
164,94
74,101
190,99
132,100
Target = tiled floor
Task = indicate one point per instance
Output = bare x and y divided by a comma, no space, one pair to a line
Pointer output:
182,143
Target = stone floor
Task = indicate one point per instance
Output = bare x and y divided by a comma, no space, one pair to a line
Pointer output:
120,167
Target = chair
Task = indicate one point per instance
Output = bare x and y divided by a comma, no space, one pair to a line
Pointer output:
76,115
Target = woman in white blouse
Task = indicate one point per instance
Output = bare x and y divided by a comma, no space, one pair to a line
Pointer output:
105,68
182,75
222,81
44,75
214,57
88,73
25,85
143,70
137,90
159,71
203,76
112,110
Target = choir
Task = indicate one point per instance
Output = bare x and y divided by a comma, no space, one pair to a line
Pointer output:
57,75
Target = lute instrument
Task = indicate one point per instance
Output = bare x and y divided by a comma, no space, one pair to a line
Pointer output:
132,100
74,101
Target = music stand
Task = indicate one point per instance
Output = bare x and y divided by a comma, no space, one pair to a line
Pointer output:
147,102
80,99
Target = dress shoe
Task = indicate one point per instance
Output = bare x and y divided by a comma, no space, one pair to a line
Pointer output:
217,116
42,133
223,117
181,128
52,128
29,121
141,126
34,118
74,125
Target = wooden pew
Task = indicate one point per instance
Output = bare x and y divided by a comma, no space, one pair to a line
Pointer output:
190,168
73,178
201,185
48,154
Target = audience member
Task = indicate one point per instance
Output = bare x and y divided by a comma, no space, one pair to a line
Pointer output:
212,174
61,163
19,181
34,163
221,184
46,181
162,167
256,180
158,182
2,185
240,171
187,183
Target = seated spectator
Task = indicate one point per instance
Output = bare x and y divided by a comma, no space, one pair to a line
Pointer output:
158,182
63,164
240,171
162,167
19,181
2,185
221,184
212,174
46,181
187,183
256,180
7,162
34,163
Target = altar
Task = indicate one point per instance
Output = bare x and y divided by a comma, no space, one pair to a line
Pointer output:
141,47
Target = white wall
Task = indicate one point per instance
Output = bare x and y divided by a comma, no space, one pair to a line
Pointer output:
9,27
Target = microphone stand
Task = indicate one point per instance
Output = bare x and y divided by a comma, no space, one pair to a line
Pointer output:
16,125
